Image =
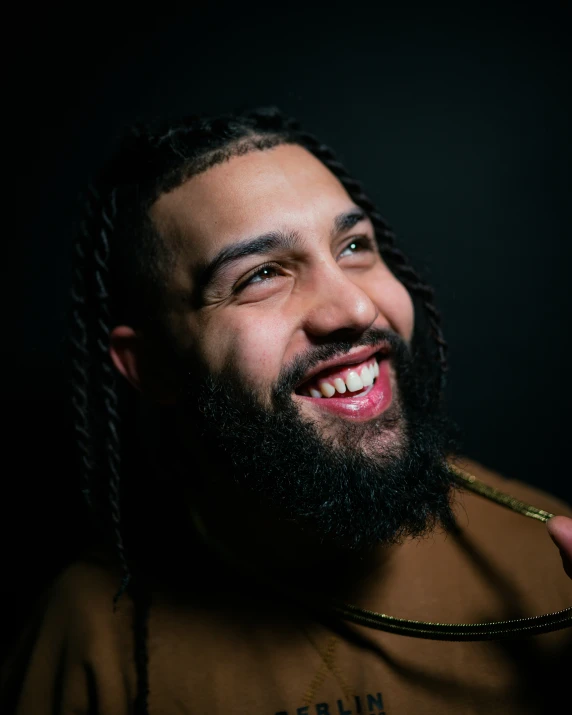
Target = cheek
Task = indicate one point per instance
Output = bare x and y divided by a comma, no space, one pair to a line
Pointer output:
395,305
252,345
405,315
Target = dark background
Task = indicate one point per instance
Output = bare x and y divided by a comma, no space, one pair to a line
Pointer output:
458,121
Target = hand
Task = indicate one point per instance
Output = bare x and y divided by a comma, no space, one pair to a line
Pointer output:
560,531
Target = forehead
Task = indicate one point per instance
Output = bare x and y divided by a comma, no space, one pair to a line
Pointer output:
285,187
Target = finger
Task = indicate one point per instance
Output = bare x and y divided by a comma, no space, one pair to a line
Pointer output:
560,531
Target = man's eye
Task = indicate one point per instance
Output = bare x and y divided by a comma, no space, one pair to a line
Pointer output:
363,243
261,275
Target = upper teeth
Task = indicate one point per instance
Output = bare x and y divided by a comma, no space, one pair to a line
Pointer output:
351,381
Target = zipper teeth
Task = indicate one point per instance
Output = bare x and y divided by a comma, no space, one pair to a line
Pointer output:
470,482
494,630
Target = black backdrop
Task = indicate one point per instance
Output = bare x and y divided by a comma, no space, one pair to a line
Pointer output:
458,122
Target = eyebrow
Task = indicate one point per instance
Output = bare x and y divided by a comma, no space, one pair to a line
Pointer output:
264,244
348,219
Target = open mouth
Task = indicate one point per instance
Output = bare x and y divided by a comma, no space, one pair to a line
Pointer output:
351,380
357,387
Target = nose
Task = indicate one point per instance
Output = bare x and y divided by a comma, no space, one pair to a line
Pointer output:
337,305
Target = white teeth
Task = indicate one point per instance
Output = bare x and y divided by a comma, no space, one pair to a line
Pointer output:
340,385
354,381
367,376
327,389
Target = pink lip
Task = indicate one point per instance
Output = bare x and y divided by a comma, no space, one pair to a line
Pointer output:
361,407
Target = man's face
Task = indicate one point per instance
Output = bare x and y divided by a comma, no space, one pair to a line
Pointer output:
294,340
302,270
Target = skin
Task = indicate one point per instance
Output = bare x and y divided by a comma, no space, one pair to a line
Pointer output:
560,531
319,289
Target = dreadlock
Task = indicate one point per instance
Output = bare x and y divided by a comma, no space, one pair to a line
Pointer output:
118,254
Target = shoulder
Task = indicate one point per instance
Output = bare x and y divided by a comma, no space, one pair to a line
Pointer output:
509,548
80,603
72,640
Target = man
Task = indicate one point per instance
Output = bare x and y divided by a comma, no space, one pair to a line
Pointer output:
283,471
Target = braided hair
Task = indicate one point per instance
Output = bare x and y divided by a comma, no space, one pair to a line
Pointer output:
118,255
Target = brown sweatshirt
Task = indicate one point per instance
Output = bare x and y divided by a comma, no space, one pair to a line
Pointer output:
221,648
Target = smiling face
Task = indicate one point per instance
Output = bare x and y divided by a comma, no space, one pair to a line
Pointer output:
280,261
296,381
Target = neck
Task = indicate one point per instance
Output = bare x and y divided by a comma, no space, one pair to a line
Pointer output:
255,540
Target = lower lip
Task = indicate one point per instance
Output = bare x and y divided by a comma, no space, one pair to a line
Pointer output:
361,407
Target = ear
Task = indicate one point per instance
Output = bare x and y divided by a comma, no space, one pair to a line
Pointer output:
125,351
132,359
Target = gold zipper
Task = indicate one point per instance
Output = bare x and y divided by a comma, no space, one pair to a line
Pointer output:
492,630
471,482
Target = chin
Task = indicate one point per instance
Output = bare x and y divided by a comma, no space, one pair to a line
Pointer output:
382,433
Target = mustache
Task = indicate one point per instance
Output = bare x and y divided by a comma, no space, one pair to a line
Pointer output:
291,375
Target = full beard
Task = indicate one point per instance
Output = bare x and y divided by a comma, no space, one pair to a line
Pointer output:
351,485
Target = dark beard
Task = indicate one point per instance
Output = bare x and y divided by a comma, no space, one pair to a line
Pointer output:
374,482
